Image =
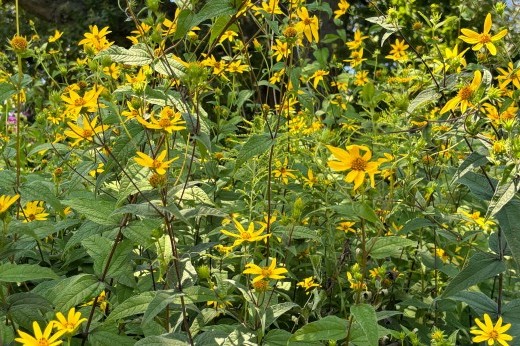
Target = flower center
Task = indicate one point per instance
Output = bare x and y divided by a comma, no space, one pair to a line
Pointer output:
358,164
79,102
493,334
87,133
484,38
31,217
164,122
266,272
43,342
307,21
465,93
156,164
245,235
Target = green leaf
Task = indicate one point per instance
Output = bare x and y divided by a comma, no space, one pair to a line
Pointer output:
478,185
29,300
74,291
185,21
158,304
480,267
105,337
212,9
280,337
6,91
87,229
365,315
218,27
120,260
382,247
273,312
327,328
415,224
96,210
39,190
509,220
256,145
364,211
10,272
132,306
180,340
98,248
426,96
61,148
504,192
136,55
478,301
473,161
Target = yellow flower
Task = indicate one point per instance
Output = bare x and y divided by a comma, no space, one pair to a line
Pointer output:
512,75
224,250
357,42
156,164
243,235
356,58
218,66
269,6
283,172
475,218
236,67
101,301
95,39
318,76
34,211
85,129
281,50
56,36
308,25
7,201
343,6
352,160
491,333
112,70
270,272
69,324
168,121
361,78
76,104
484,38
311,179
346,226
40,339
464,95
228,35
308,284
398,51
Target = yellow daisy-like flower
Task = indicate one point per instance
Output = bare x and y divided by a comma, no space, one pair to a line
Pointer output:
308,284
483,39
491,333
343,7
39,338
283,172
311,179
398,51
7,201
56,36
307,24
69,324
156,164
358,164
243,235
317,77
77,104
96,39
357,42
168,121
101,301
34,211
85,129
270,272
464,95
346,226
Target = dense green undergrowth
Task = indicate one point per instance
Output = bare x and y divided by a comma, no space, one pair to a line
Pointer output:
235,177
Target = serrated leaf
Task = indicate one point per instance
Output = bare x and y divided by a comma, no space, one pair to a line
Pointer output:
87,229
364,211
162,341
478,301
169,67
132,306
195,193
474,160
161,300
75,290
98,211
509,220
6,91
382,247
98,248
415,224
28,300
256,145
423,98
61,148
38,190
365,315
105,337
10,272
504,192
481,266
218,27
274,311
136,55
478,185
327,328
